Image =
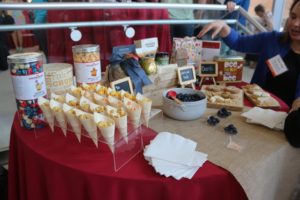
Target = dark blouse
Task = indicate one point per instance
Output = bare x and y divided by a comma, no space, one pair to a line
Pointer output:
284,85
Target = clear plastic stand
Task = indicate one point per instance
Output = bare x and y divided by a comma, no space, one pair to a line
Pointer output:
123,148
233,142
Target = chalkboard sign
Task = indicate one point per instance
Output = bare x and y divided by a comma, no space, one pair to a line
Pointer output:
208,69
186,75
122,84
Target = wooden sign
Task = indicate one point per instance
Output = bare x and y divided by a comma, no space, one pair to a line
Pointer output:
208,69
186,75
122,84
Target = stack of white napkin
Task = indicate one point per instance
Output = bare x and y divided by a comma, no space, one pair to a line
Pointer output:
266,117
173,155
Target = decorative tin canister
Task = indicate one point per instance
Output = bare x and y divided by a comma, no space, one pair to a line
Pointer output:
59,77
87,63
230,69
162,58
29,84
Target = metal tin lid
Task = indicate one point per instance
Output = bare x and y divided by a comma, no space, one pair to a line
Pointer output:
24,57
85,48
230,58
162,54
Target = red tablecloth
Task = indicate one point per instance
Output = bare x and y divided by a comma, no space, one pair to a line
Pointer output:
60,43
53,167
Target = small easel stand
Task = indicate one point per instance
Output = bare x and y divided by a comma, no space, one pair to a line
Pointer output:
192,84
208,70
207,78
187,76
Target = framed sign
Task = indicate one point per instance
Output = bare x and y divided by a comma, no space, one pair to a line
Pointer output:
186,75
122,84
208,69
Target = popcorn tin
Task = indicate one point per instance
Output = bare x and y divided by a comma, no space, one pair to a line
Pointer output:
28,81
230,69
59,77
87,63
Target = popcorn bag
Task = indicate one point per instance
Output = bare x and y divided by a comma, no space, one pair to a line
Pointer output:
186,51
87,63
28,81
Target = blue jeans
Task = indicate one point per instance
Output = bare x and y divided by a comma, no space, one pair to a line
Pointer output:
182,30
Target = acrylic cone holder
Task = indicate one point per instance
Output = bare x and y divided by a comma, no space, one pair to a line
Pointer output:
123,149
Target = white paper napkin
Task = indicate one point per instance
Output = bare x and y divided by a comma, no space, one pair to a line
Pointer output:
266,117
173,155
181,147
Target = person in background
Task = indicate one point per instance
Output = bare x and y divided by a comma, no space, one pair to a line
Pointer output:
181,30
40,16
5,19
264,18
283,46
19,19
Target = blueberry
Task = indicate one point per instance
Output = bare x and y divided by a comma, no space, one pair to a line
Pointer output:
188,97
231,129
223,113
179,96
213,120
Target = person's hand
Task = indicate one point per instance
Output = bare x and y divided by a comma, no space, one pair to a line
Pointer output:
230,6
295,105
218,27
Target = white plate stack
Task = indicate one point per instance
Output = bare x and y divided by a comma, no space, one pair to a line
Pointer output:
173,155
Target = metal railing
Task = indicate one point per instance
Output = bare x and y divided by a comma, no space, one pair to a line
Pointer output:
93,6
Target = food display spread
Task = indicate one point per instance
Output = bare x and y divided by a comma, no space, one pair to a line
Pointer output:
219,96
259,97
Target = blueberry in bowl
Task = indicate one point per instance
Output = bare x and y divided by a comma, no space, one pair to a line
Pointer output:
192,107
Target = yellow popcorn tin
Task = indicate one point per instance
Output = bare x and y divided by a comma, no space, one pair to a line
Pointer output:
87,63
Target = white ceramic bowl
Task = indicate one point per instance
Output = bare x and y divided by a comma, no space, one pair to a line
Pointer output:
187,110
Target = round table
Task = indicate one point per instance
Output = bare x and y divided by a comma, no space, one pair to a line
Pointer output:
45,165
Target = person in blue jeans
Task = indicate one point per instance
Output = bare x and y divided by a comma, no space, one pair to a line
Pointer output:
40,17
285,45
181,30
